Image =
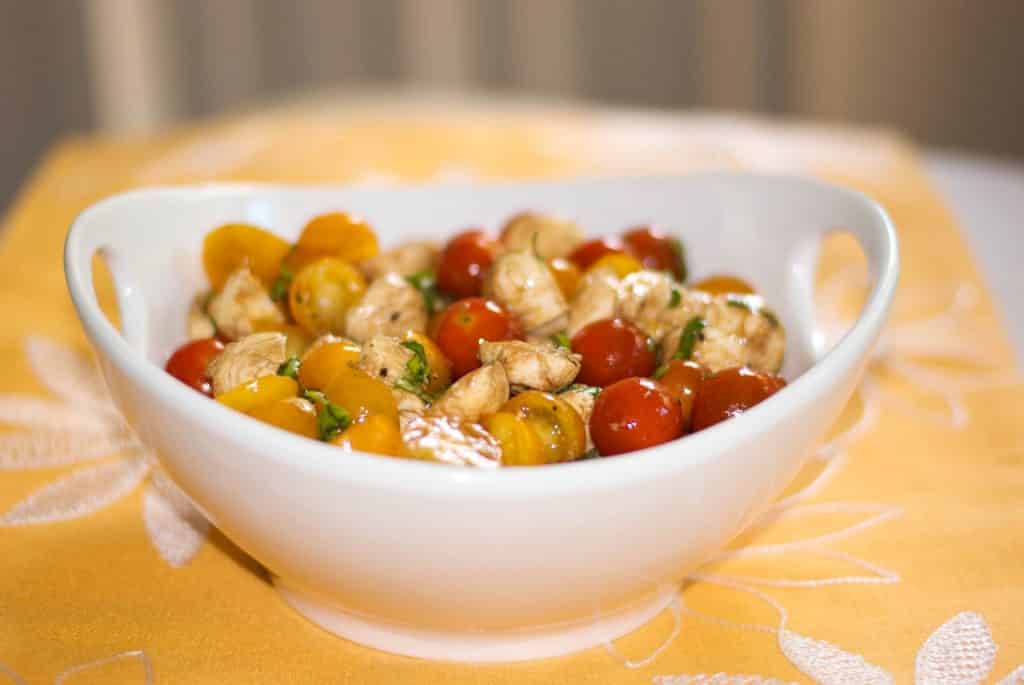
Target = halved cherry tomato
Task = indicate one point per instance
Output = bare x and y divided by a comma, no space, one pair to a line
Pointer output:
338,235
464,260
188,363
465,323
731,392
520,443
721,284
612,349
656,250
290,414
324,362
263,390
322,292
592,250
567,275
682,379
439,376
376,434
622,264
633,414
557,425
227,248
361,395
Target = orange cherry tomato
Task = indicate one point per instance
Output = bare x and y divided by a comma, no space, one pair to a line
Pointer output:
592,250
655,250
567,276
558,426
334,235
722,284
465,323
612,349
731,392
321,294
227,248
464,260
291,414
520,443
362,395
322,364
188,363
264,390
376,434
632,414
682,379
440,374
622,264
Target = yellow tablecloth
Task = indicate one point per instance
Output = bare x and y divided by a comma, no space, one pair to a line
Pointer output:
915,515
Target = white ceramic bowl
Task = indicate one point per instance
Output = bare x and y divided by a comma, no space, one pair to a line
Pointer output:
453,563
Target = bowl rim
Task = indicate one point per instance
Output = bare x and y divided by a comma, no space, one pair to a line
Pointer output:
326,461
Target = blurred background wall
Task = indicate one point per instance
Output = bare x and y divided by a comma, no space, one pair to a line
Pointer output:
945,71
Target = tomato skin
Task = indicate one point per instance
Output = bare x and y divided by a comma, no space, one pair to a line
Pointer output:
589,252
188,363
654,250
612,349
731,392
721,284
683,380
567,276
463,262
632,414
465,323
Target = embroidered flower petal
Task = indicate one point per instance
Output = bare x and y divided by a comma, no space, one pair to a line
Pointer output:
960,652
175,527
137,655
29,411
71,375
1014,677
827,664
43,449
80,493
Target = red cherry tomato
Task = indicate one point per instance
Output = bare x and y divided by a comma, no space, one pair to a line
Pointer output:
188,363
633,414
655,250
592,250
682,380
462,326
464,260
730,392
612,349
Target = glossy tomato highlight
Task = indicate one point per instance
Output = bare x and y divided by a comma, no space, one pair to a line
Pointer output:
613,349
632,414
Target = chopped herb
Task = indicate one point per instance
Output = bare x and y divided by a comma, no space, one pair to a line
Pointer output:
692,333
561,340
738,303
417,370
331,419
592,453
289,368
773,319
652,346
426,282
660,371
279,289
676,298
591,390
677,247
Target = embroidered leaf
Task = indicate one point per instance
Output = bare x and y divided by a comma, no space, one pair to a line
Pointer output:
1014,677
68,374
717,679
960,652
42,449
29,411
80,493
826,664
175,526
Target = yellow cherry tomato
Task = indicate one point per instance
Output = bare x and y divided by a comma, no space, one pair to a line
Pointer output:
322,292
520,444
567,275
440,376
721,284
227,248
264,390
361,395
376,434
297,339
324,362
621,264
291,414
334,235
558,426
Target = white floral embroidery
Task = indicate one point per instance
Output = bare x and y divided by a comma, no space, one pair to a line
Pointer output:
960,652
133,655
86,426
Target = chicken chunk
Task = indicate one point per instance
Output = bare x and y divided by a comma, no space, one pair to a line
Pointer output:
545,235
524,285
386,358
597,298
241,303
439,438
656,303
404,260
738,331
199,324
532,366
390,306
252,357
582,398
479,392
